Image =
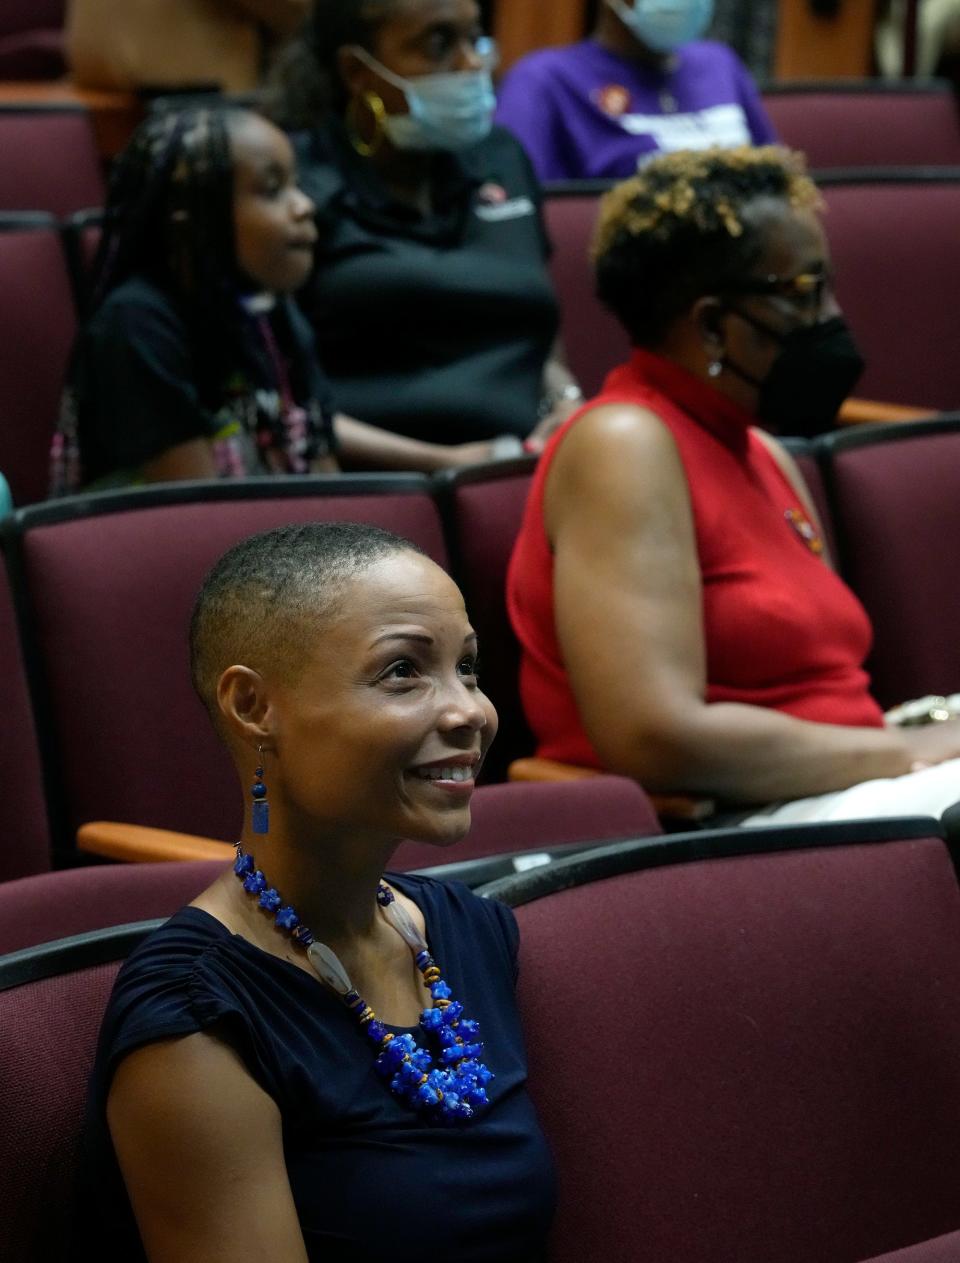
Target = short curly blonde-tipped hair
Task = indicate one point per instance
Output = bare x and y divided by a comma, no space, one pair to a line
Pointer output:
678,230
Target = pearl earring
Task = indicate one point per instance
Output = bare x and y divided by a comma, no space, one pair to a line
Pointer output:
714,368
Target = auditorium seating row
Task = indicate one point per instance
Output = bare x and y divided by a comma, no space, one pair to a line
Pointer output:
741,1050
51,161
100,723
742,1046
893,241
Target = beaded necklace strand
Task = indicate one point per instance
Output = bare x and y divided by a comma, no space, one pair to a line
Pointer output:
450,1088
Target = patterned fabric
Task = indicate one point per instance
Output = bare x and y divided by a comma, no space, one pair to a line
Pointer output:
142,383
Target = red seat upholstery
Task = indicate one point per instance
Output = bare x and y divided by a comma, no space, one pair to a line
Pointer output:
748,1058
593,339
50,159
895,502
867,124
111,581
25,847
513,817
73,901
945,1249
484,508
37,328
506,818
897,276
31,39
48,1034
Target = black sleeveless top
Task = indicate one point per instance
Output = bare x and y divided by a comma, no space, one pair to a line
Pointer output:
370,1178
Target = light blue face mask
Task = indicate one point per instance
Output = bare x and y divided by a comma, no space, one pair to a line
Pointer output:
664,25
447,111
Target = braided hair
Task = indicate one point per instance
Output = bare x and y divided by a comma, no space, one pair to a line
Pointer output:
170,221
169,213
307,83
678,230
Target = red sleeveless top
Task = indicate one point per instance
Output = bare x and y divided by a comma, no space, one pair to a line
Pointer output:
781,629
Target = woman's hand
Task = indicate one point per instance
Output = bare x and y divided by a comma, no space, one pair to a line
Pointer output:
364,446
932,743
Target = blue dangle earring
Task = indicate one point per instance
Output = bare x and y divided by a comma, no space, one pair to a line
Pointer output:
258,791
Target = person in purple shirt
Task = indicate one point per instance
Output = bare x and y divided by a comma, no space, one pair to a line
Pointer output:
643,82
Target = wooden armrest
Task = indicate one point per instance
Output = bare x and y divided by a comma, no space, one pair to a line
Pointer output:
138,844
114,114
856,411
534,769
667,806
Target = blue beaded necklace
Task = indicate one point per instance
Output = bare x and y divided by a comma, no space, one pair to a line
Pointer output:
450,1088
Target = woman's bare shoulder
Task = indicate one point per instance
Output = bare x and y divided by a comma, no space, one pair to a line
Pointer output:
612,452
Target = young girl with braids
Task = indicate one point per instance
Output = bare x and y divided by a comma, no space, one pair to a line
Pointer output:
195,362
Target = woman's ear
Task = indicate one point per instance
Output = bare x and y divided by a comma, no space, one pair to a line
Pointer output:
707,315
246,705
355,76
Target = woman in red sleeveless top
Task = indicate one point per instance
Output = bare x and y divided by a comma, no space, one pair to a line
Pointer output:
678,613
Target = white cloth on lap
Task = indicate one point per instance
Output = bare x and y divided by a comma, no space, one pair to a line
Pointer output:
928,792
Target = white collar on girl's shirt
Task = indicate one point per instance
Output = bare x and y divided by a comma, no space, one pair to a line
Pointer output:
258,304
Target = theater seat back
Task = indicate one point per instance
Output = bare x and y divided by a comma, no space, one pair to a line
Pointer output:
110,582
751,1058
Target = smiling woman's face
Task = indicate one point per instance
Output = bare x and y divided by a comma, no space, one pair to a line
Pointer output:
382,730
273,218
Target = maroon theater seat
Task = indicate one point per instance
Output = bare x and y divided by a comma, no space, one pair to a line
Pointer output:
895,502
515,817
110,582
483,508
51,906
894,246
524,825
751,1057
25,847
31,39
51,1004
50,159
593,339
867,123
37,327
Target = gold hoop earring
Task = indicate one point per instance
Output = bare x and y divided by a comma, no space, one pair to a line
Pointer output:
378,111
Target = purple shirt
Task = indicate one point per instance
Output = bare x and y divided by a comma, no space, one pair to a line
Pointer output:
582,112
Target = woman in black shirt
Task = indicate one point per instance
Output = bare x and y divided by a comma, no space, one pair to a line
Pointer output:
431,255
247,1103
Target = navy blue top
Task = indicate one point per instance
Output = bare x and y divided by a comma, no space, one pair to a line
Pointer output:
370,1178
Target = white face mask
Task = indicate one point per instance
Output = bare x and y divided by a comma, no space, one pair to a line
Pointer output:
447,111
663,25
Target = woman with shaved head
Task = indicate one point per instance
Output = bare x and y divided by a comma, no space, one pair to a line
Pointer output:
316,1060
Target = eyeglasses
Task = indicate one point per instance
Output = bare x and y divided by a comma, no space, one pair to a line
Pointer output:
805,288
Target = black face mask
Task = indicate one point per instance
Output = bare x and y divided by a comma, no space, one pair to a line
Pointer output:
817,368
